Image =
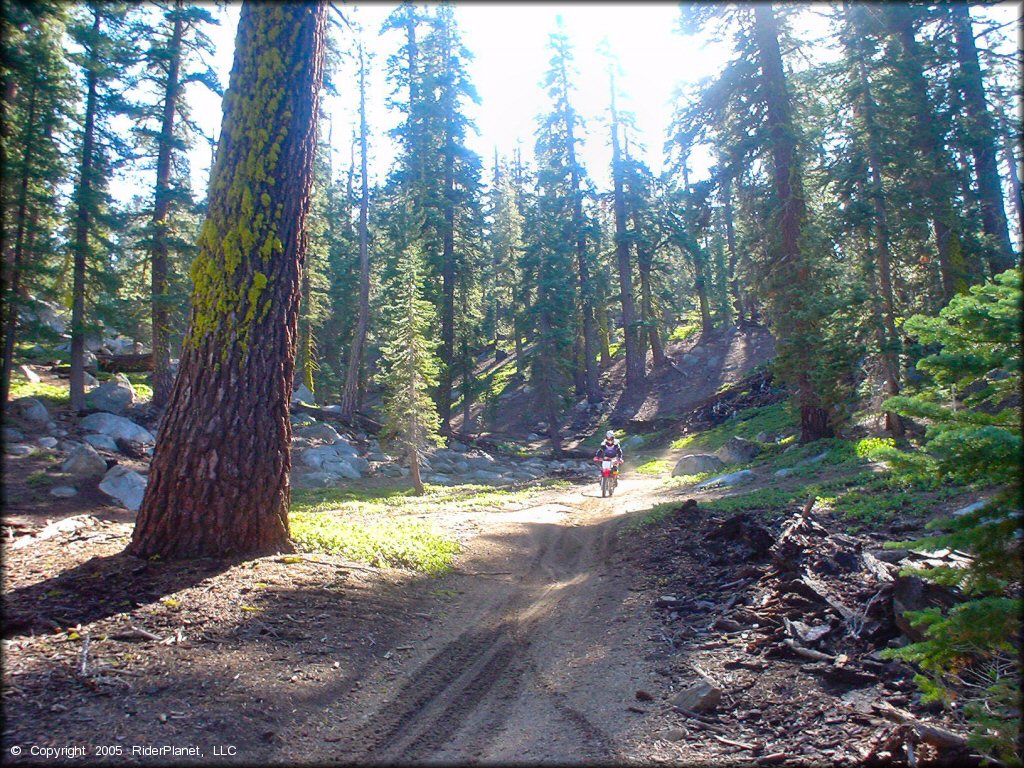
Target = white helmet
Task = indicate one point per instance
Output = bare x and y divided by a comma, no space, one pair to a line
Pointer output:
609,434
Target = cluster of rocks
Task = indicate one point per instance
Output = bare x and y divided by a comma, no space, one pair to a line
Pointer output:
83,460
736,451
322,456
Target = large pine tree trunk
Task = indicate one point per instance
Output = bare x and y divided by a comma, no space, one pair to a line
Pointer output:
218,483
635,373
162,379
982,139
350,395
80,244
792,269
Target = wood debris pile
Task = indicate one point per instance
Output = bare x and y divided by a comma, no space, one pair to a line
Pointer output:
773,637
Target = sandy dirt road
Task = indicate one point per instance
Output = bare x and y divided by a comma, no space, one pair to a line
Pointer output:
533,657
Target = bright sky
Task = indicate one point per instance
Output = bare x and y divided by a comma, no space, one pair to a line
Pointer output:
509,42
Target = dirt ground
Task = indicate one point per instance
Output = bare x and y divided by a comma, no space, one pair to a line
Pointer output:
545,645
560,637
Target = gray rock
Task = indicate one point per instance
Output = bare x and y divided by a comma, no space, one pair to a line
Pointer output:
437,479
30,374
697,463
303,395
458,447
18,449
31,410
91,365
815,459
48,442
485,476
785,471
698,351
390,470
338,459
50,315
633,441
733,478
533,436
461,467
702,696
103,442
738,451
12,435
126,486
90,380
324,432
114,396
117,427
84,462
317,479
60,433
762,437
713,361
689,359
970,508
64,491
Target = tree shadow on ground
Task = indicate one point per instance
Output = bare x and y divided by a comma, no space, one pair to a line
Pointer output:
98,589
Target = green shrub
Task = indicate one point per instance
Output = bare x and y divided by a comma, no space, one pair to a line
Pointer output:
971,406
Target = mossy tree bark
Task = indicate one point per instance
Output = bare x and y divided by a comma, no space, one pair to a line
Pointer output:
218,484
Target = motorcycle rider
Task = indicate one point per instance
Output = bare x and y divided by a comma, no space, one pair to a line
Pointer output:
610,449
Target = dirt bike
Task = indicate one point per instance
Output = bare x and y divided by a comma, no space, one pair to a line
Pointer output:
609,475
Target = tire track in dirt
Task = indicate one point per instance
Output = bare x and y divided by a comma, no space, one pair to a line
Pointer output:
487,693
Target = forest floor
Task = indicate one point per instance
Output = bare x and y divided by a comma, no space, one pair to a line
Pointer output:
564,634
572,629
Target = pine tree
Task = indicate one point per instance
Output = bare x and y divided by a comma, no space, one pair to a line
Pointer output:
982,140
631,327
218,482
106,33
36,113
549,261
561,127
971,402
173,60
409,364
353,376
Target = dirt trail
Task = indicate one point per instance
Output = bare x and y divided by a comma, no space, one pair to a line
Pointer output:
533,660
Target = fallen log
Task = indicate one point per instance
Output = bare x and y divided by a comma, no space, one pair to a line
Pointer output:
125,363
926,732
358,420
